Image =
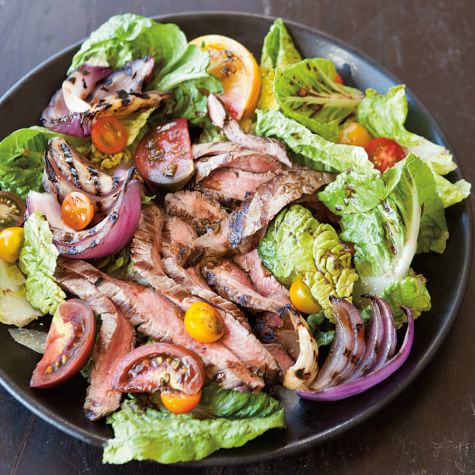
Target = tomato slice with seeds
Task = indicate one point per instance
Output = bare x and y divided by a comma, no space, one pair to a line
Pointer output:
160,367
68,345
77,210
109,135
338,79
384,153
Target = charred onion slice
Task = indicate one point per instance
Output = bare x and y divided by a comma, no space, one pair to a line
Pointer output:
352,388
160,367
388,345
68,345
305,369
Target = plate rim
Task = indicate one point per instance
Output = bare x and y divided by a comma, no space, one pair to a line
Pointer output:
299,446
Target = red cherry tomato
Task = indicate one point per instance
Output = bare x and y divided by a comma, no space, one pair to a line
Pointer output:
109,135
338,79
68,345
384,153
160,367
163,157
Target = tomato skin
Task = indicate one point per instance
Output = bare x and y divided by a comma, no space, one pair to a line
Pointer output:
180,403
301,297
354,133
12,210
77,210
109,135
384,153
163,157
69,344
203,322
11,241
159,367
338,79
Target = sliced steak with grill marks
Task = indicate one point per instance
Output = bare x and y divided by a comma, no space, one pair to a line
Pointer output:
234,133
156,316
270,198
232,283
237,338
229,184
197,209
246,160
115,339
284,360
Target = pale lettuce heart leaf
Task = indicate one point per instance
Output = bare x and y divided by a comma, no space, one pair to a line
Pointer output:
310,149
38,262
223,419
278,50
306,91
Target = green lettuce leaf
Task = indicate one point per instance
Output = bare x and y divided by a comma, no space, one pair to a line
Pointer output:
297,245
278,50
224,419
409,292
310,149
38,262
306,92
180,67
384,115
409,219
21,158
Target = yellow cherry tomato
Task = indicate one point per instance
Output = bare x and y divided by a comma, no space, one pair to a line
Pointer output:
179,403
204,323
237,69
11,240
301,297
354,133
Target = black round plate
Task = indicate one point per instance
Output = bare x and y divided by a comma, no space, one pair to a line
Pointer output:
307,423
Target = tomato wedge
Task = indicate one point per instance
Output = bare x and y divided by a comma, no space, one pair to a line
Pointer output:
384,153
109,135
68,345
12,210
159,367
338,79
77,210
180,403
163,157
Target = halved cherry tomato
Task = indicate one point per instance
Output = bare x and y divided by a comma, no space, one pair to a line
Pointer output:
204,323
77,210
179,403
160,367
68,345
12,210
11,240
301,297
384,153
354,133
237,69
338,79
163,157
109,135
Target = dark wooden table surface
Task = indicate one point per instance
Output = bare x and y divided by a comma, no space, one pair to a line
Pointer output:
429,44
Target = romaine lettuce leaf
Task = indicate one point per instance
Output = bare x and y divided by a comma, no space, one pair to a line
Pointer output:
38,262
409,219
297,245
306,92
224,419
409,292
180,67
310,149
384,115
278,50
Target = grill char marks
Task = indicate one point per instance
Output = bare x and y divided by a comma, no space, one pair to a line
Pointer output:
156,316
237,338
115,339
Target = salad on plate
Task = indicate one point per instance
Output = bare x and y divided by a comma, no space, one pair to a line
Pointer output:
202,229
